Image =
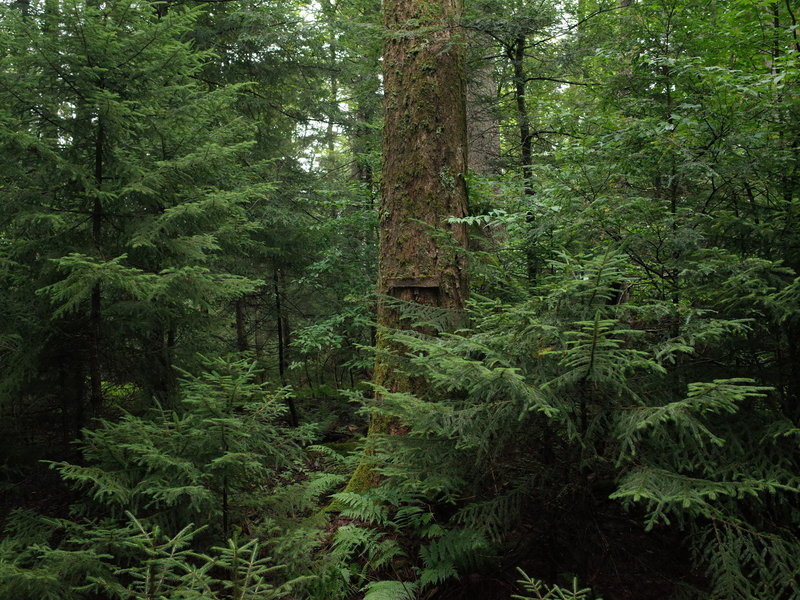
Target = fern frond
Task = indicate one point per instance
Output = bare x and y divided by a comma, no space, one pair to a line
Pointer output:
364,507
391,590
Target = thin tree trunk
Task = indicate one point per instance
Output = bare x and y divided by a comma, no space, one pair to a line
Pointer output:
517,56
95,309
516,53
282,327
167,383
361,169
366,92
78,396
241,328
259,341
483,133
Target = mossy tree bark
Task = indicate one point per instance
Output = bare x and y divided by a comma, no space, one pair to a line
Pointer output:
423,183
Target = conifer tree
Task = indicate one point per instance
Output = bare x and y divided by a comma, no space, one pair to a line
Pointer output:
123,188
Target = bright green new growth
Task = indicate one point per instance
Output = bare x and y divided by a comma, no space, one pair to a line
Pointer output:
542,591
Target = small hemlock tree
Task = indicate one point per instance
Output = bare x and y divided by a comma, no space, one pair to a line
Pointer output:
208,461
194,476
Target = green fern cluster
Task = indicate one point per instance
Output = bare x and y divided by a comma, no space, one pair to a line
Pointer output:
387,543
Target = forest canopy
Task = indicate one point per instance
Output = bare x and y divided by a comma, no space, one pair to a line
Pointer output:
412,299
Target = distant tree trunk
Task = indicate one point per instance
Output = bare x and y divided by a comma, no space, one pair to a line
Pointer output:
483,121
241,326
95,309
361,169
329,9
425,160
160,380
78,400
259,337
483,134
282,328
517,55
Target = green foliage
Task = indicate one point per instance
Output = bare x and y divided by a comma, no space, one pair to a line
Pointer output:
542,591
37,570
536,375
211,460
202,177
390,590
167,567
687,415
141,563
125,195
208,460
746,563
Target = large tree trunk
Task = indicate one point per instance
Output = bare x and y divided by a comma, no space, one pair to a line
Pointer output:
425,160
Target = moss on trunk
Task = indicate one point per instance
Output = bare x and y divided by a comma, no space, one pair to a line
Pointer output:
423,182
